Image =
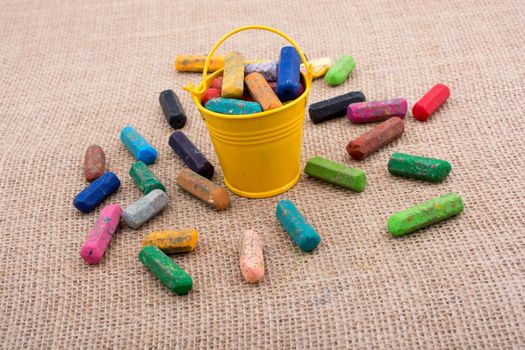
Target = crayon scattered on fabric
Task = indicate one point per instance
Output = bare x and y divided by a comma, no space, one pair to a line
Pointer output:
203,189
425,214
190,154
137,145
252,258
169,273
376,111
333,107
94,163
144,209
340,71
100,235
301,232
145,180
376,138
336,173
172,109
417,167
430,102
96,192
173,241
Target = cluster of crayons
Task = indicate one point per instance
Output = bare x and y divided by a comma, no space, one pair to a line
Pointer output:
261,86
195,179
269,85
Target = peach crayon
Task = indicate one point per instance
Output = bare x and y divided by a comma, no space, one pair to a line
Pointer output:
252,259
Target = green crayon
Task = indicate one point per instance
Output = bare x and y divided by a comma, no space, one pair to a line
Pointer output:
416,167
144,178
340,70
336,173
425,214
169,273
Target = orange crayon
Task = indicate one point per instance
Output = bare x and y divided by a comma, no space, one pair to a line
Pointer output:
261,91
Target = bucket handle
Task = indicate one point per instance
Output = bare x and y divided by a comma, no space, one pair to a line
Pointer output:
200,91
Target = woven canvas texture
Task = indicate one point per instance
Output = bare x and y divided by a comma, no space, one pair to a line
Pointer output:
73,73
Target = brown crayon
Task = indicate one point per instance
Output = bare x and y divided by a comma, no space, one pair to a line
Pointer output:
203,189
377,137
94,163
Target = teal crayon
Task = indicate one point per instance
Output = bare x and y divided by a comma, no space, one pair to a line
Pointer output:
301,232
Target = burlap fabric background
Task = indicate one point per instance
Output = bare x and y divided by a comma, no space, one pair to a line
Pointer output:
74,73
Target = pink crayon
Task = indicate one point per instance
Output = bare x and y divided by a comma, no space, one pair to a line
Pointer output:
376,111
98,239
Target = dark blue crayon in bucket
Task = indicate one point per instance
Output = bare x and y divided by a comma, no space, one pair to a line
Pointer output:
172,109
190,155
96,192
137,145
296,225
288,74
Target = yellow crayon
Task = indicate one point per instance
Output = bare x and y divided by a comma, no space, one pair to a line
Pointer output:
233,77
195,63
173,241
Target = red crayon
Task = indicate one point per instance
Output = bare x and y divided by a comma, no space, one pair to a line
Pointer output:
429,103
209,94
216,83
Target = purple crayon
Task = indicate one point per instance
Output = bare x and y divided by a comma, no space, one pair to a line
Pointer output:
190,155
267,69
376,111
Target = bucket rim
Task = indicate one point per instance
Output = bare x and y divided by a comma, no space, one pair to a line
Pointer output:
204,111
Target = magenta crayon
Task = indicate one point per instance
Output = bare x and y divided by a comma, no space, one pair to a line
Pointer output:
98,239
376,111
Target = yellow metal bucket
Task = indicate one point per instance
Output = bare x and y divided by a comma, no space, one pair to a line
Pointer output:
260,153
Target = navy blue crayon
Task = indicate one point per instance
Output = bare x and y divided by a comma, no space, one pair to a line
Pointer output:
96,192
172,109
288,74
190,154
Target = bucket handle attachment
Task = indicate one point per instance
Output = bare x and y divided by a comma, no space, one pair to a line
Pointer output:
202,87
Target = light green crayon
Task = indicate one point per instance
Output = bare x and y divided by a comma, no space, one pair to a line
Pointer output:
425,214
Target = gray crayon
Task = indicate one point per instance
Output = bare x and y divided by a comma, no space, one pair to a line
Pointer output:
145,208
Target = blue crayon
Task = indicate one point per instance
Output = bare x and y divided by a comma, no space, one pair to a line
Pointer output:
288,74
232,106
96,192
296,225
137,145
